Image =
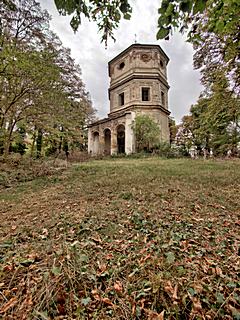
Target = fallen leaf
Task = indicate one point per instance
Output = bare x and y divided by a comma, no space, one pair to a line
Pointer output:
97,239
118,286
107,301
237,222
197,307
169,288
102,267
175,297
219,271
8,305
152,315
143,259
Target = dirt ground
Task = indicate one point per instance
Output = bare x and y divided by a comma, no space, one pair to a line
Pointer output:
123,239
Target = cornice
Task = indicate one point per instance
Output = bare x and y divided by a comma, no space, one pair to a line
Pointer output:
139,46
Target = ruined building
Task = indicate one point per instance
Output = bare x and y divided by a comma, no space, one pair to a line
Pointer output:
138,85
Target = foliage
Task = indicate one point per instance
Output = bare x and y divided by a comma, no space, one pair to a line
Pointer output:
123,239
219,17
214,31
167,150
172,129
147,133
40,84
106,14
214,121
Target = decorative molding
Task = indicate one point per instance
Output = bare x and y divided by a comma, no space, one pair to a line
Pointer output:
145,57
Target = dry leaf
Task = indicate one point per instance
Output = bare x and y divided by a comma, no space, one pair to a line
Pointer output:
102,267
97,239
154,315
197,307
143,259
8,305
107,301
219,271
169,288
175,297
118,286
198,287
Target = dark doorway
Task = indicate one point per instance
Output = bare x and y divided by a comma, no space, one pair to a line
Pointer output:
107,141
121,139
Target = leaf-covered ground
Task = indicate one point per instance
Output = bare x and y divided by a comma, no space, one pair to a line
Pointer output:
123,239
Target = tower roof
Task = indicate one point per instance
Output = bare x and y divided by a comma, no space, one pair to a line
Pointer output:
139,46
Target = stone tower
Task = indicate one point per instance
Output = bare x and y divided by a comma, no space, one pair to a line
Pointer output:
138,85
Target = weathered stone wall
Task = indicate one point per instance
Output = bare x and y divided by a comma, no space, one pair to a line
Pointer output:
133,94
142,60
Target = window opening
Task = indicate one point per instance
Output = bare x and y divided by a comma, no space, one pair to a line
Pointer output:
121,99
163,98
121,65
145,94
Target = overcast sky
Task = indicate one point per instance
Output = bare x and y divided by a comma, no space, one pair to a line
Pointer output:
90,53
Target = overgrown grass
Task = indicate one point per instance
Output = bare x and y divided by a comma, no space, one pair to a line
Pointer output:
16,169
123,239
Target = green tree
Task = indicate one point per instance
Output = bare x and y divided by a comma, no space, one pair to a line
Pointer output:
222,117
172,129
147,133
214,121
40,84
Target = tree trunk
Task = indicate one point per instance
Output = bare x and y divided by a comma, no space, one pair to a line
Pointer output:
39,142
8,138
33,143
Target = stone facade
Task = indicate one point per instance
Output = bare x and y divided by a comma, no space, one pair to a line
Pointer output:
138,85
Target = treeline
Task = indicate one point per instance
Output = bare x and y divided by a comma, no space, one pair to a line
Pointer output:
214,121
44,106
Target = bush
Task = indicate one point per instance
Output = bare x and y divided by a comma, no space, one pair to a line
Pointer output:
147,132
166,150
16,168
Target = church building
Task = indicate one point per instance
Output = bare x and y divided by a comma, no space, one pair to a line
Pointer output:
138,85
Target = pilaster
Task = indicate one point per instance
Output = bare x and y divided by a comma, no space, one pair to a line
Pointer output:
129,134
114,149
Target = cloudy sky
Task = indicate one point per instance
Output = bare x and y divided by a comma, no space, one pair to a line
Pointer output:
92,56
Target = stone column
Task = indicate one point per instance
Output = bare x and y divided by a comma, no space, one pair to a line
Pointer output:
114,141
129,134
101,142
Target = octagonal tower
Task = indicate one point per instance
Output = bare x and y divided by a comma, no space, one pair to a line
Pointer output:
138,84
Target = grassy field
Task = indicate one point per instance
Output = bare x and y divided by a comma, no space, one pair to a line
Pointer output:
123,239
